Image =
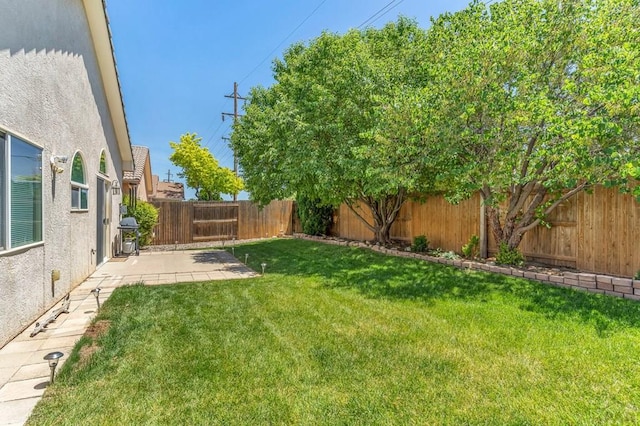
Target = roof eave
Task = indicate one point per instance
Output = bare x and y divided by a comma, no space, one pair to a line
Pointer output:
103,44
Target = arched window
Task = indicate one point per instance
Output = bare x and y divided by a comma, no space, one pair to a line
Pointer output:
103,162
79,187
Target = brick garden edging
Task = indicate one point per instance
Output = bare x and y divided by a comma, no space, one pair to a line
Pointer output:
595,283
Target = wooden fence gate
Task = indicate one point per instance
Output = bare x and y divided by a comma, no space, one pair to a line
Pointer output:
184,222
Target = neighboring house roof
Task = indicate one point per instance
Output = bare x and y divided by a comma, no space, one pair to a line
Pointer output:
101,35
141,171
168,190
140,157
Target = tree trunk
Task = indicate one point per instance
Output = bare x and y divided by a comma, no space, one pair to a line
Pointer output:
384,211
521,211
382,232
516,223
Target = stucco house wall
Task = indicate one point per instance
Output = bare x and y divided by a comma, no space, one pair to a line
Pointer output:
53,95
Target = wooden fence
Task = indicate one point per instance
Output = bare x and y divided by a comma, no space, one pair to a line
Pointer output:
184,222
597,232
445,225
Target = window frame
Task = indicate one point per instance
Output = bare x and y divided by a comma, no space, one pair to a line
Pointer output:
104,171
7,138
78,189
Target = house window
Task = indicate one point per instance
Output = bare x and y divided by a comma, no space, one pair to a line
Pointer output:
20,192
103,163
79,187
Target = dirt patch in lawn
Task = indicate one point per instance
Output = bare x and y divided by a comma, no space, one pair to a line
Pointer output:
94,331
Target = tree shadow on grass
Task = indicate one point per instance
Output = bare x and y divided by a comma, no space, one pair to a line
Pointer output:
377,275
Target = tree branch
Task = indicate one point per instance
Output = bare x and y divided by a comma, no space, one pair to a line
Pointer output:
359,216
553,206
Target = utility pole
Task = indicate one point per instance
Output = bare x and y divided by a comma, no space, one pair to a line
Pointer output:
235,98
168,176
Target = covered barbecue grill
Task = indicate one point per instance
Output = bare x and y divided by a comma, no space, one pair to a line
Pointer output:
129,225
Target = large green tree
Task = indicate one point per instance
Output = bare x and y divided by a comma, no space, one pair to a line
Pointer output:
317,131
201,170
530,102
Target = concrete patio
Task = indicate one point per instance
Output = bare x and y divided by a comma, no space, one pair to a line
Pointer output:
24,374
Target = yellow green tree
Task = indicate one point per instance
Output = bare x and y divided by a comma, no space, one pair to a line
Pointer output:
202,171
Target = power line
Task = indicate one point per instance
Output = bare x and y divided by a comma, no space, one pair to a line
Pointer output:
213,121
210,138
283,41
220,149
380,13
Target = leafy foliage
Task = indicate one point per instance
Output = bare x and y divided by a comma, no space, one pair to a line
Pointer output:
317,129
201,169
471,249
146,215
632,171
315,217
509,256
420,244
529,102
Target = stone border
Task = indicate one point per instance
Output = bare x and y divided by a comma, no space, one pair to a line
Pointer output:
595,283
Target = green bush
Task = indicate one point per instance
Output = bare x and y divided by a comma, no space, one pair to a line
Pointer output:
147,217
471,249
420,244
508,256
315,217
637,277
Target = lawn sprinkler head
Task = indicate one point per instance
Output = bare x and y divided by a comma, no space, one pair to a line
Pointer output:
53,358
264,265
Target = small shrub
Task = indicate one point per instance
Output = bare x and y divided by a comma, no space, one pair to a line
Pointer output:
436,252
420,244
451,255
147,217
315,217
637,277
471,249
508,256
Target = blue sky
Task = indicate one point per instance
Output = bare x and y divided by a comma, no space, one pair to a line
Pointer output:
178,59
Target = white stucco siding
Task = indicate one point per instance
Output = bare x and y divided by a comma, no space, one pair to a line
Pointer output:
52,95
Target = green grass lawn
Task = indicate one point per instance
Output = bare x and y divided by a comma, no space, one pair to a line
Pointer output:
337,335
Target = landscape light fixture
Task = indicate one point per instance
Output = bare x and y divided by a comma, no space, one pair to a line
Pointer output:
233,251
264,265
246,257
53,358
96,293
